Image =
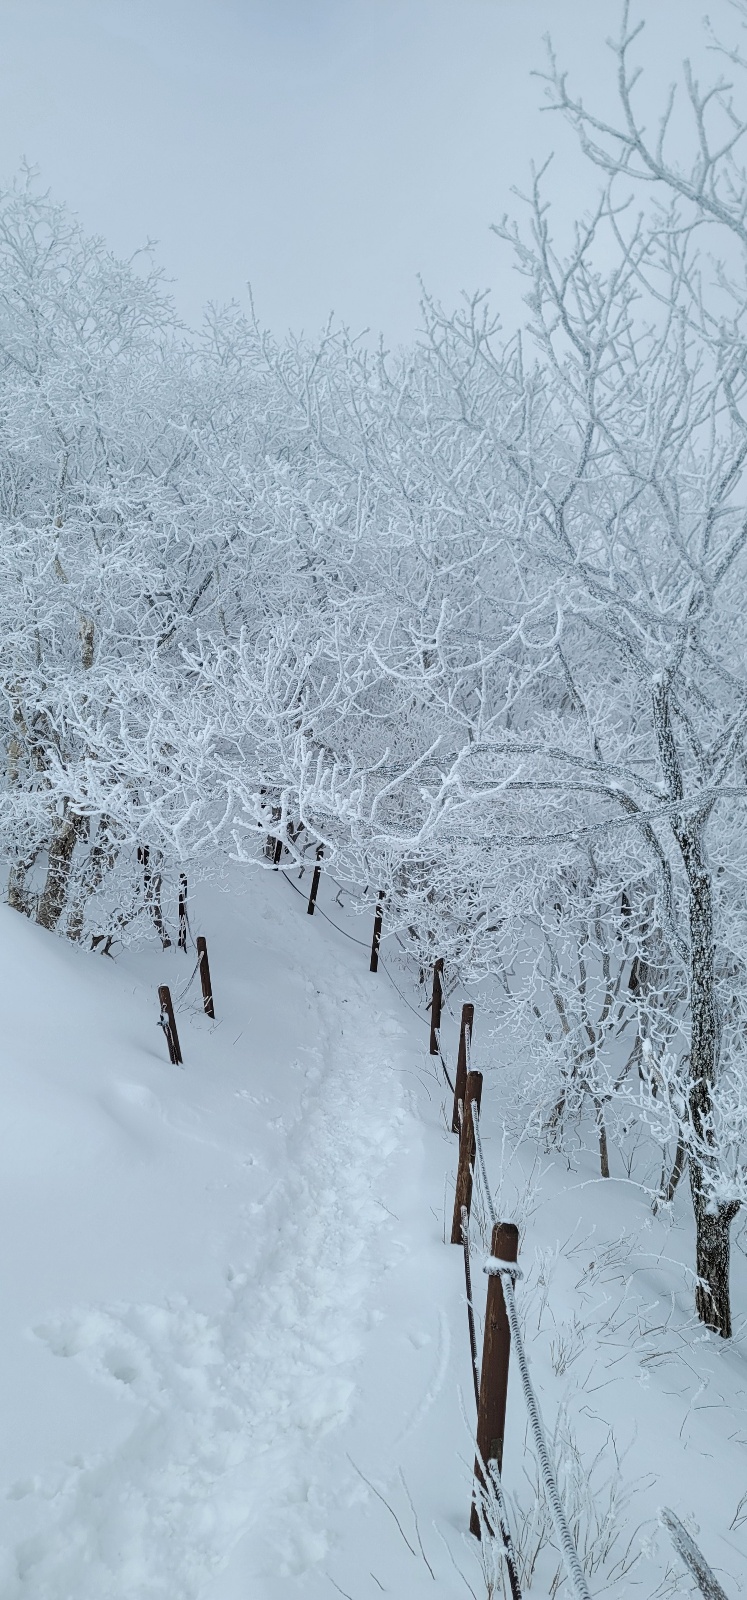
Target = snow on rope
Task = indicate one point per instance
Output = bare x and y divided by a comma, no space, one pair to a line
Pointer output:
508,1272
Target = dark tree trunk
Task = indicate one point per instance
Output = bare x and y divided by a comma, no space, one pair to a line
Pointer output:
17,897
712,1222
712,1300
604,1154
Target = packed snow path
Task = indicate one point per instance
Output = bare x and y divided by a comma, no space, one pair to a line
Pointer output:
196,1254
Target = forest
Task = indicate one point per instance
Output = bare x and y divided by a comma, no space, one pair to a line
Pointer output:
467,619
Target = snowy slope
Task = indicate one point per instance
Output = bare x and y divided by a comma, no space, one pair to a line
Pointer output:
192,1260
233,1347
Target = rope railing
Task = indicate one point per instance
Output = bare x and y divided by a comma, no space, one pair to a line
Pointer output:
189,982
487,1196
442,1059
320,913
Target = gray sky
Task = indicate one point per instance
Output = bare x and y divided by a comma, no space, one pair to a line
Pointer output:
328,151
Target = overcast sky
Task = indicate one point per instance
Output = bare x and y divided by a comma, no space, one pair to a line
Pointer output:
328,151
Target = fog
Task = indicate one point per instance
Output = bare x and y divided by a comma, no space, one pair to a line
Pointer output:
327,151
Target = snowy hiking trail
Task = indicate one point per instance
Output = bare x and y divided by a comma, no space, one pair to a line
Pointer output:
207,1465
233,1349
225,1395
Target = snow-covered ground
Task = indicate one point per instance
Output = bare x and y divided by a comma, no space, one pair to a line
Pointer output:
233,1347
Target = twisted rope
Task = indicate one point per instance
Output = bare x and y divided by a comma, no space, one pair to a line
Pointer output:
442,1059
318,911
481,1158
188,983
364,946
403,997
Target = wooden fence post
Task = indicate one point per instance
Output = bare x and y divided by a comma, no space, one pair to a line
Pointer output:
182,940
436,999
465,1046
167,1021
467,1151
315,881
376,941
491,1413
207,987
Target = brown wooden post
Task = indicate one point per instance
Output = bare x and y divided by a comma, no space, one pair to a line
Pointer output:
167,1021
465,1045
277,853
376,941
491,1413
207,987
436,1000
182,940
315,881
467,1151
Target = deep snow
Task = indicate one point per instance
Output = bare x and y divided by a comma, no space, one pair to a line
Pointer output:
233,1347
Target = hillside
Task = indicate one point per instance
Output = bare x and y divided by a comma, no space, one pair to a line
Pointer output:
234,1355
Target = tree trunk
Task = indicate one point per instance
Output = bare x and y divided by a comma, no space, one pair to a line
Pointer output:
668,1189
54,894
17,898
712,1221
712,1300
101,859
604,1154
152,887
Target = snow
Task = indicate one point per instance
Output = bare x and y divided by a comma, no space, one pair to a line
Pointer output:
233,1343
195,1255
